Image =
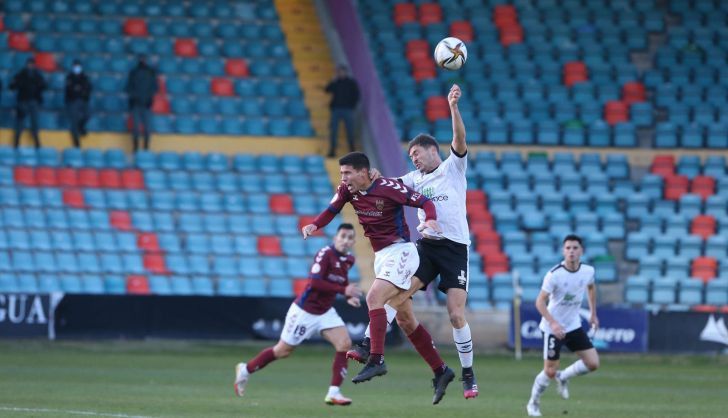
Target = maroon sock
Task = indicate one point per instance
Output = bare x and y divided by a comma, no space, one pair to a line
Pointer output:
424,345
261,360
338,370
377,330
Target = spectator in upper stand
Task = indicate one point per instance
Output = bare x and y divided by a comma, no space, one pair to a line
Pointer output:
78,91
141,86
344,92
29,84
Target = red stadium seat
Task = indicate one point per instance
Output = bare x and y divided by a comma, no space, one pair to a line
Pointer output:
24,175
281,204
137,285
703,225
67,177
236,67
148,241
135,27
73,198
121,220
511,35
110,178
495,263
405,13
633,92
616,111
132,179
154,262
306,220
417,50
462,30
2,25
704,268
46,176
430,13
160,104
185,48
424,73
675,187
46,61
481,228
475,197
19,41
269,245
703,186
88,177
663,165
299,286
704,308
221,86
437,107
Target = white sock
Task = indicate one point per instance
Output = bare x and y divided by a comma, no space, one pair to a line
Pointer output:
464,345
577,368
333,390
391,313
540,383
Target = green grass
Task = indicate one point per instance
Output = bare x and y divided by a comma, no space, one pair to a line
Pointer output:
175,379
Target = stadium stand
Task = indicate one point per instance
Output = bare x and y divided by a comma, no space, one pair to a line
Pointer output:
203,54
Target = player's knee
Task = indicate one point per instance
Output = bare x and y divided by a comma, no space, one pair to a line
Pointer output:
550,371
373,301
282,351
592,364
407,324
457,319
343,345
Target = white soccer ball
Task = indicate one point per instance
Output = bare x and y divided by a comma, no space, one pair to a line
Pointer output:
451,53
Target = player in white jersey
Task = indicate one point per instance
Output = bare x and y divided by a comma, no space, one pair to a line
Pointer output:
564,287
445,253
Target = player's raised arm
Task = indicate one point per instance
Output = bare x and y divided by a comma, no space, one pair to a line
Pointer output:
337,202
458,127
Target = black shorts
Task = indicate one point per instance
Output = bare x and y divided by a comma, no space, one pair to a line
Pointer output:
575,340
445,258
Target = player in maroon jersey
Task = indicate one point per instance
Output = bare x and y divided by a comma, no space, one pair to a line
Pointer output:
379,206
312,313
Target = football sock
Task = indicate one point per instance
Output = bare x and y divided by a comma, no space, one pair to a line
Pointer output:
391,313
464,344
539,385
261,360
577,368
422,341
333,390
378,322
338,369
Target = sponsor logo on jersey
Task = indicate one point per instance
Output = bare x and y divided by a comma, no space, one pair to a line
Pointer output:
428,192
368,213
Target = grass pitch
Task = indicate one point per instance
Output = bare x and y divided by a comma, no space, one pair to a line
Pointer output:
186,379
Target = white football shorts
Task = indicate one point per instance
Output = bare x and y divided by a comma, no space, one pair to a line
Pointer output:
301,325
397,264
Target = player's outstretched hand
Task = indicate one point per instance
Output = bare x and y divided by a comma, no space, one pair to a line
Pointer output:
432,224
454,95
374,174
594,321
557,330
353,291
355,302
308,230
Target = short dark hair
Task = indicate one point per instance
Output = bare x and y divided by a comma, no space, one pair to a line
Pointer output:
423,140
345,226
356,159
573,237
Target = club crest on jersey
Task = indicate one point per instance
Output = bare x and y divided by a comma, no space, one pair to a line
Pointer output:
379,203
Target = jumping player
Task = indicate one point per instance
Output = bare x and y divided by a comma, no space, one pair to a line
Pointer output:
444,254
312,313
379,206
564,287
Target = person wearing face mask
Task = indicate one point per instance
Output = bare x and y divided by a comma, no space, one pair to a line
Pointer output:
141,86
29,84
78,91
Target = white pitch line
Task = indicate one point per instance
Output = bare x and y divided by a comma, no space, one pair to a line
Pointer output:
68,411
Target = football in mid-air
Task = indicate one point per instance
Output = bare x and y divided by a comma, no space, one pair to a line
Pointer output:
451,53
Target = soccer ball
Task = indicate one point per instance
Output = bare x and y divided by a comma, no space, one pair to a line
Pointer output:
451,53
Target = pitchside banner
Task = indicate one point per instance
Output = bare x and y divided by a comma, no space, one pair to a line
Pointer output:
27,314
620,330
688,332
